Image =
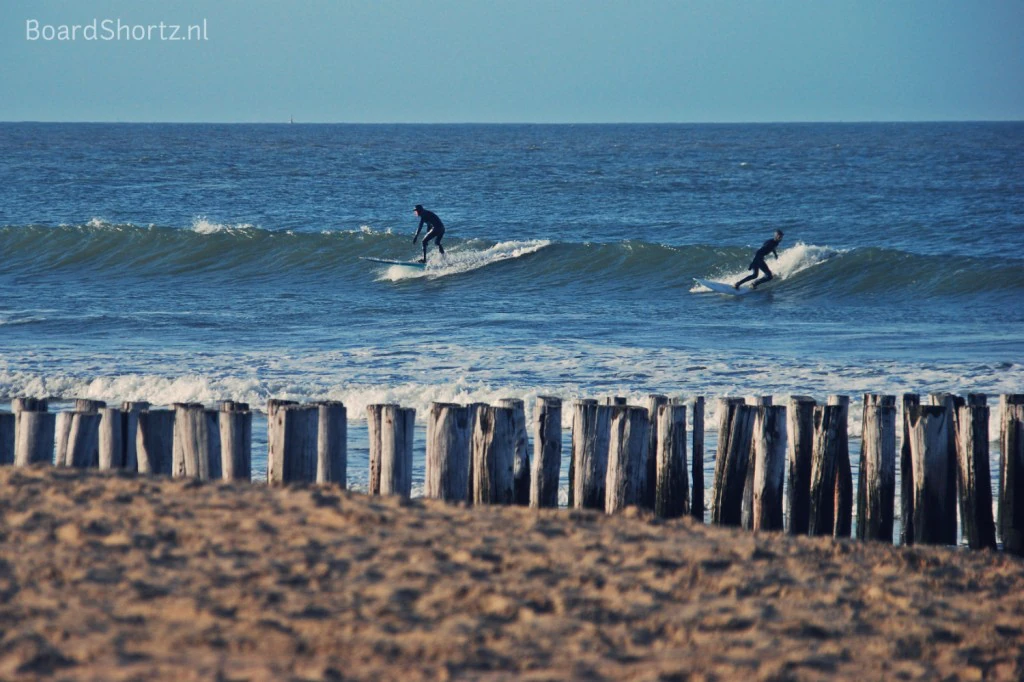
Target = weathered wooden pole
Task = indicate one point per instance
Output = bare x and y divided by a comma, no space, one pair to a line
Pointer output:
154,442
724,413
62,433
828,424
799,454
671,499
697,461
769,467
521,467
35,438
374,430
627,449
6,438
111,447
332,443
591,432
449,434
396,439
973,472
129,429
614,400
733,462
908,402
575,451
494,436
294,436
474,410
547,452
83,441
843,522
747,514
952,404
23,404
929,449
197,452
273,405
649,475
87,405
876,484
1011,473
235,425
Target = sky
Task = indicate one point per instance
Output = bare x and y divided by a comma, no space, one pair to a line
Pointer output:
530,61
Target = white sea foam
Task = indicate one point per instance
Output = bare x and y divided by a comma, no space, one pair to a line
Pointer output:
464,258
202,225
793,260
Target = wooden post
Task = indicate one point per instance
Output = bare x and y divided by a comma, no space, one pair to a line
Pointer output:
800,453
235,426
273,405
547,452
35,438
154,442
397,428
725,412
828,424
591,432
294,435
1011,473
671,499
6,438
769,467
697,461
449,434
111,447
876,485
332,443
87,405
952,404
843,522
129,429
734,460
62,434
747,513
973,472
83,441
909,401
23,404
196,442
649,480
577,441
374,426
627,448
521,467
474,410
494,437
929,449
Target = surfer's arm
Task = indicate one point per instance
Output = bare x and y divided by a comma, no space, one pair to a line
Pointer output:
418,229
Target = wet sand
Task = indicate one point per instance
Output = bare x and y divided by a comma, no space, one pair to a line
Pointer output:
110,577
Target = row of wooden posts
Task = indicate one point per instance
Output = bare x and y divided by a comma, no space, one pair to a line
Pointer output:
621,455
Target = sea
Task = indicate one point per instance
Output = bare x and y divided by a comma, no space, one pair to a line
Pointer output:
173,263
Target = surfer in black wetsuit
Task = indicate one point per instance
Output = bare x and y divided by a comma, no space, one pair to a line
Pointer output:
758,264
435,229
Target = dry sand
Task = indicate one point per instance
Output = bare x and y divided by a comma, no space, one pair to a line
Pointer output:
107,577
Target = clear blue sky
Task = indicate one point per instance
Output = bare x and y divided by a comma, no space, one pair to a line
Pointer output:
521,61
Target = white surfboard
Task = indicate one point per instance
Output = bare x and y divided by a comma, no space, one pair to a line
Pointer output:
721,288
385,261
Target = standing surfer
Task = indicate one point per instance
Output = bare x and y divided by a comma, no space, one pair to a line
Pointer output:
435,229
758,264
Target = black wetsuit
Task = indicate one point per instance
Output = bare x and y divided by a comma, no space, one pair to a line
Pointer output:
758,264
435,230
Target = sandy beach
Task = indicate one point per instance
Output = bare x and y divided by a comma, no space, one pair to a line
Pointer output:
111,577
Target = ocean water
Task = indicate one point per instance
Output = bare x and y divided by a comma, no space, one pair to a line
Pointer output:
206,262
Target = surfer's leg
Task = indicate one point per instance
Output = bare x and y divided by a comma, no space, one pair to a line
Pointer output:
767,276
752,275
426,240
439,246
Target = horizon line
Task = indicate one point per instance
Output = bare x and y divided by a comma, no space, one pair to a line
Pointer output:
525,123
